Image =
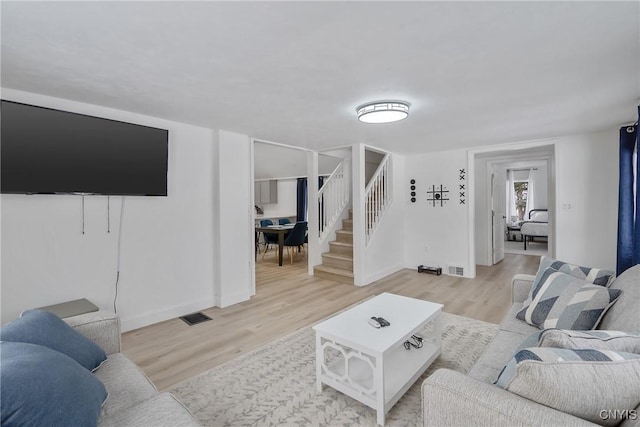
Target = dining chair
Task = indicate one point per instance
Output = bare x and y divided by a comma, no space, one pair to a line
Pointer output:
296,238
284,221
269,238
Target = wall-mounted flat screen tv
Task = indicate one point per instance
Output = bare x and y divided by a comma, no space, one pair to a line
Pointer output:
47,151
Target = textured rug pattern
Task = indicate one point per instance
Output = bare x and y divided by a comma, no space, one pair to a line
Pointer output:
275,384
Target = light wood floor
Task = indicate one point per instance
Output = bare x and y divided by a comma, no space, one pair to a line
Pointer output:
287,299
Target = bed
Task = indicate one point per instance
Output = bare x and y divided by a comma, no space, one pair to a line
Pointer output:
536,226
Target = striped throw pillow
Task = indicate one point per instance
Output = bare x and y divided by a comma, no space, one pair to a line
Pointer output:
597,276
597,340
566,302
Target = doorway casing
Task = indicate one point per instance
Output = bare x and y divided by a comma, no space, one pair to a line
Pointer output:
541,150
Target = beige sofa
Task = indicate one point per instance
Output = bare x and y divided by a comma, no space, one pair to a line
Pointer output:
133,400
451,398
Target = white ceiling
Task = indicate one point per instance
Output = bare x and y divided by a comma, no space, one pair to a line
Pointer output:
278,162
475,73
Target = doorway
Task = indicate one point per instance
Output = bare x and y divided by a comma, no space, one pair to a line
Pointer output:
277,168
495,221
277,172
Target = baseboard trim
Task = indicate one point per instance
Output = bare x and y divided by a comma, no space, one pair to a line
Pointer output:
227,300
370,278
129,323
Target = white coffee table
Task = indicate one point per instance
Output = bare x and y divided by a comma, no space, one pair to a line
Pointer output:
372,365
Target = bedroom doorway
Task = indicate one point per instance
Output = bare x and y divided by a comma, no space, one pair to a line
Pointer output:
527,202
497,208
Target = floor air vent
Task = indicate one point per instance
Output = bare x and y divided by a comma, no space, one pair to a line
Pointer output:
195,318
456,271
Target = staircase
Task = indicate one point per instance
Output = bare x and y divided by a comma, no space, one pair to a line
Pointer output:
337,264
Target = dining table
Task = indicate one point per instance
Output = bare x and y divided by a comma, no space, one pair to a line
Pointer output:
280,230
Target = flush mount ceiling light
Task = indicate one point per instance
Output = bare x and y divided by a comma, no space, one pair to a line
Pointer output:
383,111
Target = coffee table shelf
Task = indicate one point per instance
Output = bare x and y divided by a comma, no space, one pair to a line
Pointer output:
372,365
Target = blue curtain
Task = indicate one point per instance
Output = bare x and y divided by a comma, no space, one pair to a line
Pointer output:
628,202
301,205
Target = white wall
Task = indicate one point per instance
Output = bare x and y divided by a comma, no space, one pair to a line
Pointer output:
385,252
436,236
587,198
482,210
167,267
372,160
233,219
287,199
540,189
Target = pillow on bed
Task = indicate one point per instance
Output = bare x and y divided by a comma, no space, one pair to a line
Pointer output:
540,217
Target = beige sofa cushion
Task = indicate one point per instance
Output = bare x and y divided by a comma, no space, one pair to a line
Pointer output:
582,383
497,354
126,384
503,345
624,315
161,410
598,340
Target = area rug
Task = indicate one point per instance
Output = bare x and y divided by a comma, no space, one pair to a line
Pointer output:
275,384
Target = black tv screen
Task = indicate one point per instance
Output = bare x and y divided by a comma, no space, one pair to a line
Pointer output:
47,151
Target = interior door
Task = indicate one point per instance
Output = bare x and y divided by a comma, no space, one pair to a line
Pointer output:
498,211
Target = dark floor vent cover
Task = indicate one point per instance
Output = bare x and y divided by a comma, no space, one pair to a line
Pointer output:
195,318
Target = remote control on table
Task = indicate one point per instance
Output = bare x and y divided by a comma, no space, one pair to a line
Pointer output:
383,322
373,322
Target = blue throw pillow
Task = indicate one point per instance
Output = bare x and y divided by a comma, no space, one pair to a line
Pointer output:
40,386
46,329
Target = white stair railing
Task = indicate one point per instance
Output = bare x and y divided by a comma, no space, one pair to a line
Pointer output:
377,196
332,199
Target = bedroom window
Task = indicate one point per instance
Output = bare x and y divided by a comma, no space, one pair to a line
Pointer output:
520,189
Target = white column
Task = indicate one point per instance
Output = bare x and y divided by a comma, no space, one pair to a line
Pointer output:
358,201
235,229
313,254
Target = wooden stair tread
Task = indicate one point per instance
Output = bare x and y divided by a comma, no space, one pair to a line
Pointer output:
341,244
333,270
338,256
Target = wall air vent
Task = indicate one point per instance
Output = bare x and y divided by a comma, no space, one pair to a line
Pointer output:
456,271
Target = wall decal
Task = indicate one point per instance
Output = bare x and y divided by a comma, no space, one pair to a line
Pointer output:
462,175
412,187
436,195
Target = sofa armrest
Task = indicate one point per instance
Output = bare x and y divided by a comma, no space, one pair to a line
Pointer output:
102,327
450,398
520,287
